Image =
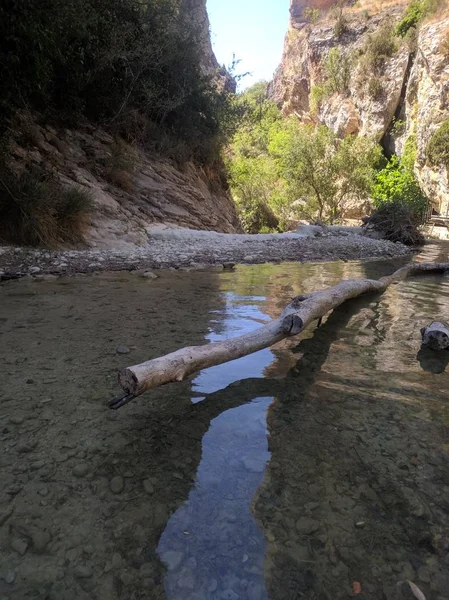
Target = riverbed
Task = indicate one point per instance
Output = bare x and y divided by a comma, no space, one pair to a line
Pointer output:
316,469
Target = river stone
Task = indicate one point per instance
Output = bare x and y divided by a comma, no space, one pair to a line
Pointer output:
148,486
149,275
117,560
122,350
254,465
306,525
83,572
10,577
80,470
229,595
19,545
117,484
40,540
254,591
172,559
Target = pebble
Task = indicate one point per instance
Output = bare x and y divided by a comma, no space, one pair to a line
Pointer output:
16,419
149,275
254,465
40,540
212,586
424,574
122,350
80,470
10,577
34,270
148,486
127,578
172,558
61,457
307,526
117,560
117,484
19,545
83,572
229,595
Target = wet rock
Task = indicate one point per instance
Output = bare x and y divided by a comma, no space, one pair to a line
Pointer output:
83,572
122,350
254,591
254,465
424,574
16,419
10,577
126,578
229,595
40,540
80,470
117,484
117,560
306,526
172,559
148,486
6,513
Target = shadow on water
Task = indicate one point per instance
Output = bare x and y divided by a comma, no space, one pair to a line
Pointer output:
288,475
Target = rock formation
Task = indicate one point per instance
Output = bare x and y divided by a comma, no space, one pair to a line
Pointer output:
409,96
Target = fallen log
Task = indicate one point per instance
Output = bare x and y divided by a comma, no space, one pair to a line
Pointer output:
179,365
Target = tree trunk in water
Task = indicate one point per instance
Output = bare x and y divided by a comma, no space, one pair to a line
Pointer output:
179,365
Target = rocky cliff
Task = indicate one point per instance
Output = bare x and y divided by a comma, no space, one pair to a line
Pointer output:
131,190
390,93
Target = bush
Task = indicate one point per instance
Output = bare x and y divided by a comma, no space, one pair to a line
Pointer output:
396,222
413,14
312,15
341,25
437,150
396,183
36,211
316,97
337,71
105,59
375,88
380,46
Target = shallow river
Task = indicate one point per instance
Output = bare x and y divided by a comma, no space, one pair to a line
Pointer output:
317,469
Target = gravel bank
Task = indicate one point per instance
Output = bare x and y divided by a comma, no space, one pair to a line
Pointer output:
189,249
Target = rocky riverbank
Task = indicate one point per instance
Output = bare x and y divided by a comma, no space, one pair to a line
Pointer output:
186,249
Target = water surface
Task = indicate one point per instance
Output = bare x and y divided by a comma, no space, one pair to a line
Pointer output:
291,473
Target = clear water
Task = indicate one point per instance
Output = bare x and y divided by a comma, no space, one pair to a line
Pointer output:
308,470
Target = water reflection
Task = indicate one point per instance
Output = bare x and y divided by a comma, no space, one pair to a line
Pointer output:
352,484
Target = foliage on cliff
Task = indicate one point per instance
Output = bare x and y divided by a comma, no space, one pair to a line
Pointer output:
438,147
282,169
109,60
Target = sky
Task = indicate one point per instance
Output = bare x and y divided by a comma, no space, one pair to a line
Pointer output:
253,30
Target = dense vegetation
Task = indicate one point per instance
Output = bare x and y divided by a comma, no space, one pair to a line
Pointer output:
281,170
438,147
107,60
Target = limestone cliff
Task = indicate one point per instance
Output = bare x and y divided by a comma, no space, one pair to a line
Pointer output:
131,189
410,88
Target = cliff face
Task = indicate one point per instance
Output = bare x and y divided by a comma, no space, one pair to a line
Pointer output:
411,86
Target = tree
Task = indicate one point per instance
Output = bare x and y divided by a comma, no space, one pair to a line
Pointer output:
324,170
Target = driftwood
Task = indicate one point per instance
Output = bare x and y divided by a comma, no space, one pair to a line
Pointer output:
179,365
436,336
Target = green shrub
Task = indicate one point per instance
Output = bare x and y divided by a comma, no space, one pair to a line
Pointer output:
410,153
316,97
396,222
379,47
337,71
396,183
375,88
312,15
413,14
341,25
437,150
36,211
106,58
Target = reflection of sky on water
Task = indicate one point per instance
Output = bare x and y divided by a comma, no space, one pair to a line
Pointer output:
212,544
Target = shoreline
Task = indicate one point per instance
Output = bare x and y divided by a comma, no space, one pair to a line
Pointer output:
197,251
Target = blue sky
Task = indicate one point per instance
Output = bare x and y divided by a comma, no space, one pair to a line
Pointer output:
252,29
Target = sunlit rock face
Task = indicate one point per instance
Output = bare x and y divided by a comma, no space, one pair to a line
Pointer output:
297,7
414,81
